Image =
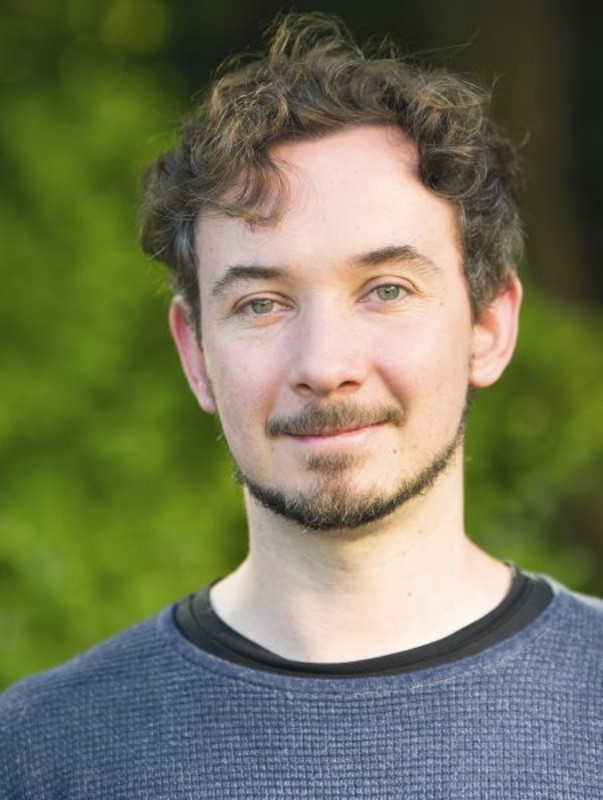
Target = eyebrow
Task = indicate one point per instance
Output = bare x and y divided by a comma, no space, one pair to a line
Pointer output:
405,253
241,273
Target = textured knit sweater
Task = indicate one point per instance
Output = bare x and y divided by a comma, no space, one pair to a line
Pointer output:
149,715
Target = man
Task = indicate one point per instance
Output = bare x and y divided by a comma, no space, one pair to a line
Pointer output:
342,234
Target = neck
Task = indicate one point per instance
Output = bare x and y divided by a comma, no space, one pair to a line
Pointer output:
341,596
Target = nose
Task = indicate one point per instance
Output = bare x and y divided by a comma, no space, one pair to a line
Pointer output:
327,354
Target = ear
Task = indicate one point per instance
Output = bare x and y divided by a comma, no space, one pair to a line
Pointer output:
494,335
191,355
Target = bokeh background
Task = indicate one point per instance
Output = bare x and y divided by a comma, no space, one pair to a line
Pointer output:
116,495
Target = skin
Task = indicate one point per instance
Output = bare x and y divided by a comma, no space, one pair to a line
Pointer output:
360,306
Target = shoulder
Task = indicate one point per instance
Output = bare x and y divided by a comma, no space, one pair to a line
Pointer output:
84,686
575,627
116,655
574,604
84,709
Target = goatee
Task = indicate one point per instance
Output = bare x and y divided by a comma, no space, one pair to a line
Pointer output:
334,504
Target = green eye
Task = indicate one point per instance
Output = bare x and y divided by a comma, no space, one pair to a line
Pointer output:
261,306
388,292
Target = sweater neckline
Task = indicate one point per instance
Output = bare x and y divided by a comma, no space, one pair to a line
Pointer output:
201,665
527,598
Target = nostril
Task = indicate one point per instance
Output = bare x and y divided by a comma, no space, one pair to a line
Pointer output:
325,360
326,389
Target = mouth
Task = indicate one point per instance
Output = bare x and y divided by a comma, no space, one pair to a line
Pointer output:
338,431
333,423
351,435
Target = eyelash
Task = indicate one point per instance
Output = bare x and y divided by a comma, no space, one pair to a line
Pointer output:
404,290
246,307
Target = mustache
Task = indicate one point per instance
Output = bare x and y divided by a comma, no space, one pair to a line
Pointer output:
314,420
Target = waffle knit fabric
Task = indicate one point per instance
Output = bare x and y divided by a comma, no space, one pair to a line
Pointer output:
149,715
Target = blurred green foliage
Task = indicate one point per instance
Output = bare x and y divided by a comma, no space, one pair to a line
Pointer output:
116,495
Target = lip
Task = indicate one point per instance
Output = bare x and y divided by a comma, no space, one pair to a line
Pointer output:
347,436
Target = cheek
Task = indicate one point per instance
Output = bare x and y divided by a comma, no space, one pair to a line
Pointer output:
243,386
429,369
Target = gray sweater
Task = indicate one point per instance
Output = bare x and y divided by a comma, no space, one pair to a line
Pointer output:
149,715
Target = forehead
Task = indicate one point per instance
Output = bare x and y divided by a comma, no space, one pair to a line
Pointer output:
353,191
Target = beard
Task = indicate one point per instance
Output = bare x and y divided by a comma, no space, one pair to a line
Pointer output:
333,503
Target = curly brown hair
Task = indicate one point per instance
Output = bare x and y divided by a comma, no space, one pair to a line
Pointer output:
313,80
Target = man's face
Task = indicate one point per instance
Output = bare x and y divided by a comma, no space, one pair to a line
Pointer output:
338,343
